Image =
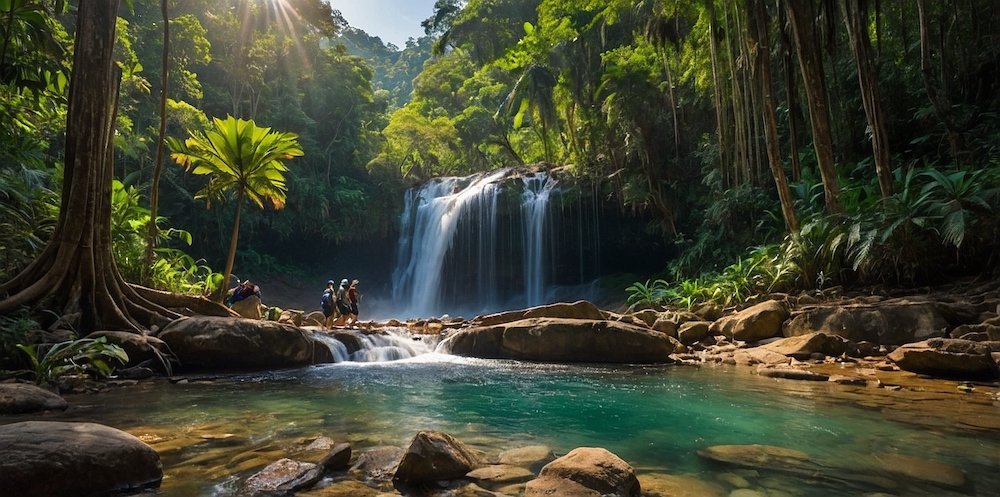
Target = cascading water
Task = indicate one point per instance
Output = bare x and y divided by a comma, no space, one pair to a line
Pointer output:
534,207
390,346
431,218
483,244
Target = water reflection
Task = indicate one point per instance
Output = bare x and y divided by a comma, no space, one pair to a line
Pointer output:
211,434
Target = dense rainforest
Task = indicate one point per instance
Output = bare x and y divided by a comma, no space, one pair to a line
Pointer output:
774,145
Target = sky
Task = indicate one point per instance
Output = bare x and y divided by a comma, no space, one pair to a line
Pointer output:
394,21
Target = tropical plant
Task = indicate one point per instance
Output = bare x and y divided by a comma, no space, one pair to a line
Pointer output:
86,356
648,293
238,155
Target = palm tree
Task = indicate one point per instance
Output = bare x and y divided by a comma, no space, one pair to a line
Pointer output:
238,156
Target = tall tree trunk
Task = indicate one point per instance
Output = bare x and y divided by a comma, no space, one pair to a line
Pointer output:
942,107
75,275
758,31
856,19
801,15
154,194
236,235
788,63
721,123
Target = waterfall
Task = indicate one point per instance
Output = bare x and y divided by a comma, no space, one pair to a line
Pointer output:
391,346
534,207
431,217
488,243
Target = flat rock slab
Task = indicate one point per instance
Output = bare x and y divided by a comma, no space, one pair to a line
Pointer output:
56,458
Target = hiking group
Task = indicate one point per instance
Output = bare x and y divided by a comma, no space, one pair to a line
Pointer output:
340,304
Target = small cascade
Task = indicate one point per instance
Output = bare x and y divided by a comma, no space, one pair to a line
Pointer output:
390,346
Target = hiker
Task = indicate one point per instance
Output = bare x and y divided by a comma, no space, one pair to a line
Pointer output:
352,300
327,303
343,308
242,291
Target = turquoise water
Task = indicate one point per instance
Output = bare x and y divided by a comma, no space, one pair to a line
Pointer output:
653,417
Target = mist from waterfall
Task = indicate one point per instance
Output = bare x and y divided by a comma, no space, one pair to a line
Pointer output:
469,247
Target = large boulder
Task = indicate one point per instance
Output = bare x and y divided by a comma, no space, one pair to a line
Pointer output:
56,458
564,340
217,343
803,346
947,357
754,323
884,324
585,471
580,309
433,456
22,398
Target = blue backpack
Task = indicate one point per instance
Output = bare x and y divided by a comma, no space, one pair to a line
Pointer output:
325,302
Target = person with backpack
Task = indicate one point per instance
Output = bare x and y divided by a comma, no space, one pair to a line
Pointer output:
327,303
343,307
352,300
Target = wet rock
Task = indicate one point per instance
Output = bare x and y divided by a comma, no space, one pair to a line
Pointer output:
693,331
921,469
792,374
885,323
56,458
277,475
580,309
350,340
754,323
338,459
946,357
756,456
433,456
248,307
664,485
322,354
217,343
804,346
378,463
498,475
585,470
533,457
22,398
564,340
346,488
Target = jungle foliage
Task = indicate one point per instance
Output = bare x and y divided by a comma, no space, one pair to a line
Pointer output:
777,145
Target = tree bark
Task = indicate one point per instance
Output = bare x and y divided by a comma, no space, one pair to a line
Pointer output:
801,16
231,259
856,18
790,88
76,275
758,29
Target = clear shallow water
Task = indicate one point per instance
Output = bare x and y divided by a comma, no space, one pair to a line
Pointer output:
655,418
